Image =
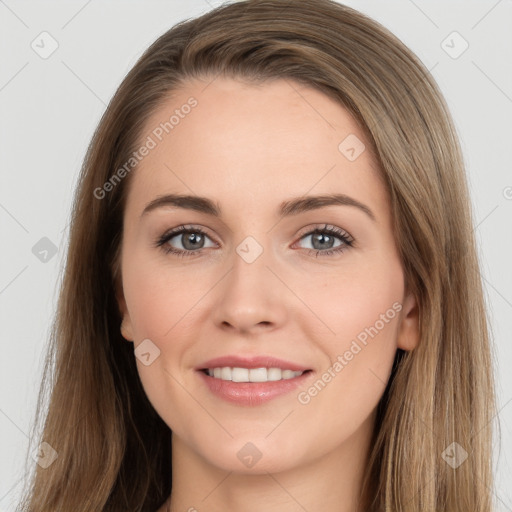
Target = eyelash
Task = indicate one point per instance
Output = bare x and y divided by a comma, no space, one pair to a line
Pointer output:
161,242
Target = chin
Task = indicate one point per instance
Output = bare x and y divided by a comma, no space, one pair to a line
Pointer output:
257,457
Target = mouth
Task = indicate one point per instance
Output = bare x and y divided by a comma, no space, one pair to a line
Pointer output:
252,386
252,375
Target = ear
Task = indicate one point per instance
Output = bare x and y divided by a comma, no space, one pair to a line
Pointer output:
409,330
126,323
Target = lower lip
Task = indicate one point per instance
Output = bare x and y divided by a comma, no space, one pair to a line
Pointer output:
252,393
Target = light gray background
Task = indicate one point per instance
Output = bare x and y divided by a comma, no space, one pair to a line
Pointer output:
50,107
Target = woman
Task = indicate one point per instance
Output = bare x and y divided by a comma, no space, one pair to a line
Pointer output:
210,354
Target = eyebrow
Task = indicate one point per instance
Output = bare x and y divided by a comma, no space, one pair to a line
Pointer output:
286,208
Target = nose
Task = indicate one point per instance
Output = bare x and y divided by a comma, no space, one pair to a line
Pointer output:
251,297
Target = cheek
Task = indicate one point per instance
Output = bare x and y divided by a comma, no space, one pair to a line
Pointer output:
368,309
362,310
160,299
160,310
161,305
354,298
348,389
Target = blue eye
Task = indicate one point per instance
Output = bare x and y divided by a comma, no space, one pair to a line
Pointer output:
187,242
193,242
326,235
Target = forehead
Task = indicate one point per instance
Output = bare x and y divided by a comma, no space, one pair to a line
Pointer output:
233,140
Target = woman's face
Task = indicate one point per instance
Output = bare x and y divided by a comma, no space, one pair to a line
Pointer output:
255,281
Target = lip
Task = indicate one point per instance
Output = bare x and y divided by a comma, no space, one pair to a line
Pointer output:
252,393
252,362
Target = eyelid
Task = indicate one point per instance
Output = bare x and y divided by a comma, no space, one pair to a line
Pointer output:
346,239
187,227
325,227
183,228
308,230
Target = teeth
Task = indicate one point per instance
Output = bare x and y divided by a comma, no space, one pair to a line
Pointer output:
252,374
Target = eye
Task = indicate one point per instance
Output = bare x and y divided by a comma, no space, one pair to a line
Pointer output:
191,240
323,240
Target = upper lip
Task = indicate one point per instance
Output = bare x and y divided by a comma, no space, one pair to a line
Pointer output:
251,362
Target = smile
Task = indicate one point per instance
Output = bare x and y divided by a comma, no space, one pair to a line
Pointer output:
252,374
233,384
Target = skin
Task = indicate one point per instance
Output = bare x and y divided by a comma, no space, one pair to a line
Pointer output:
250,147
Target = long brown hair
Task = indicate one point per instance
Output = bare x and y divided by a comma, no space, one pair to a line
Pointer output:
114,451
